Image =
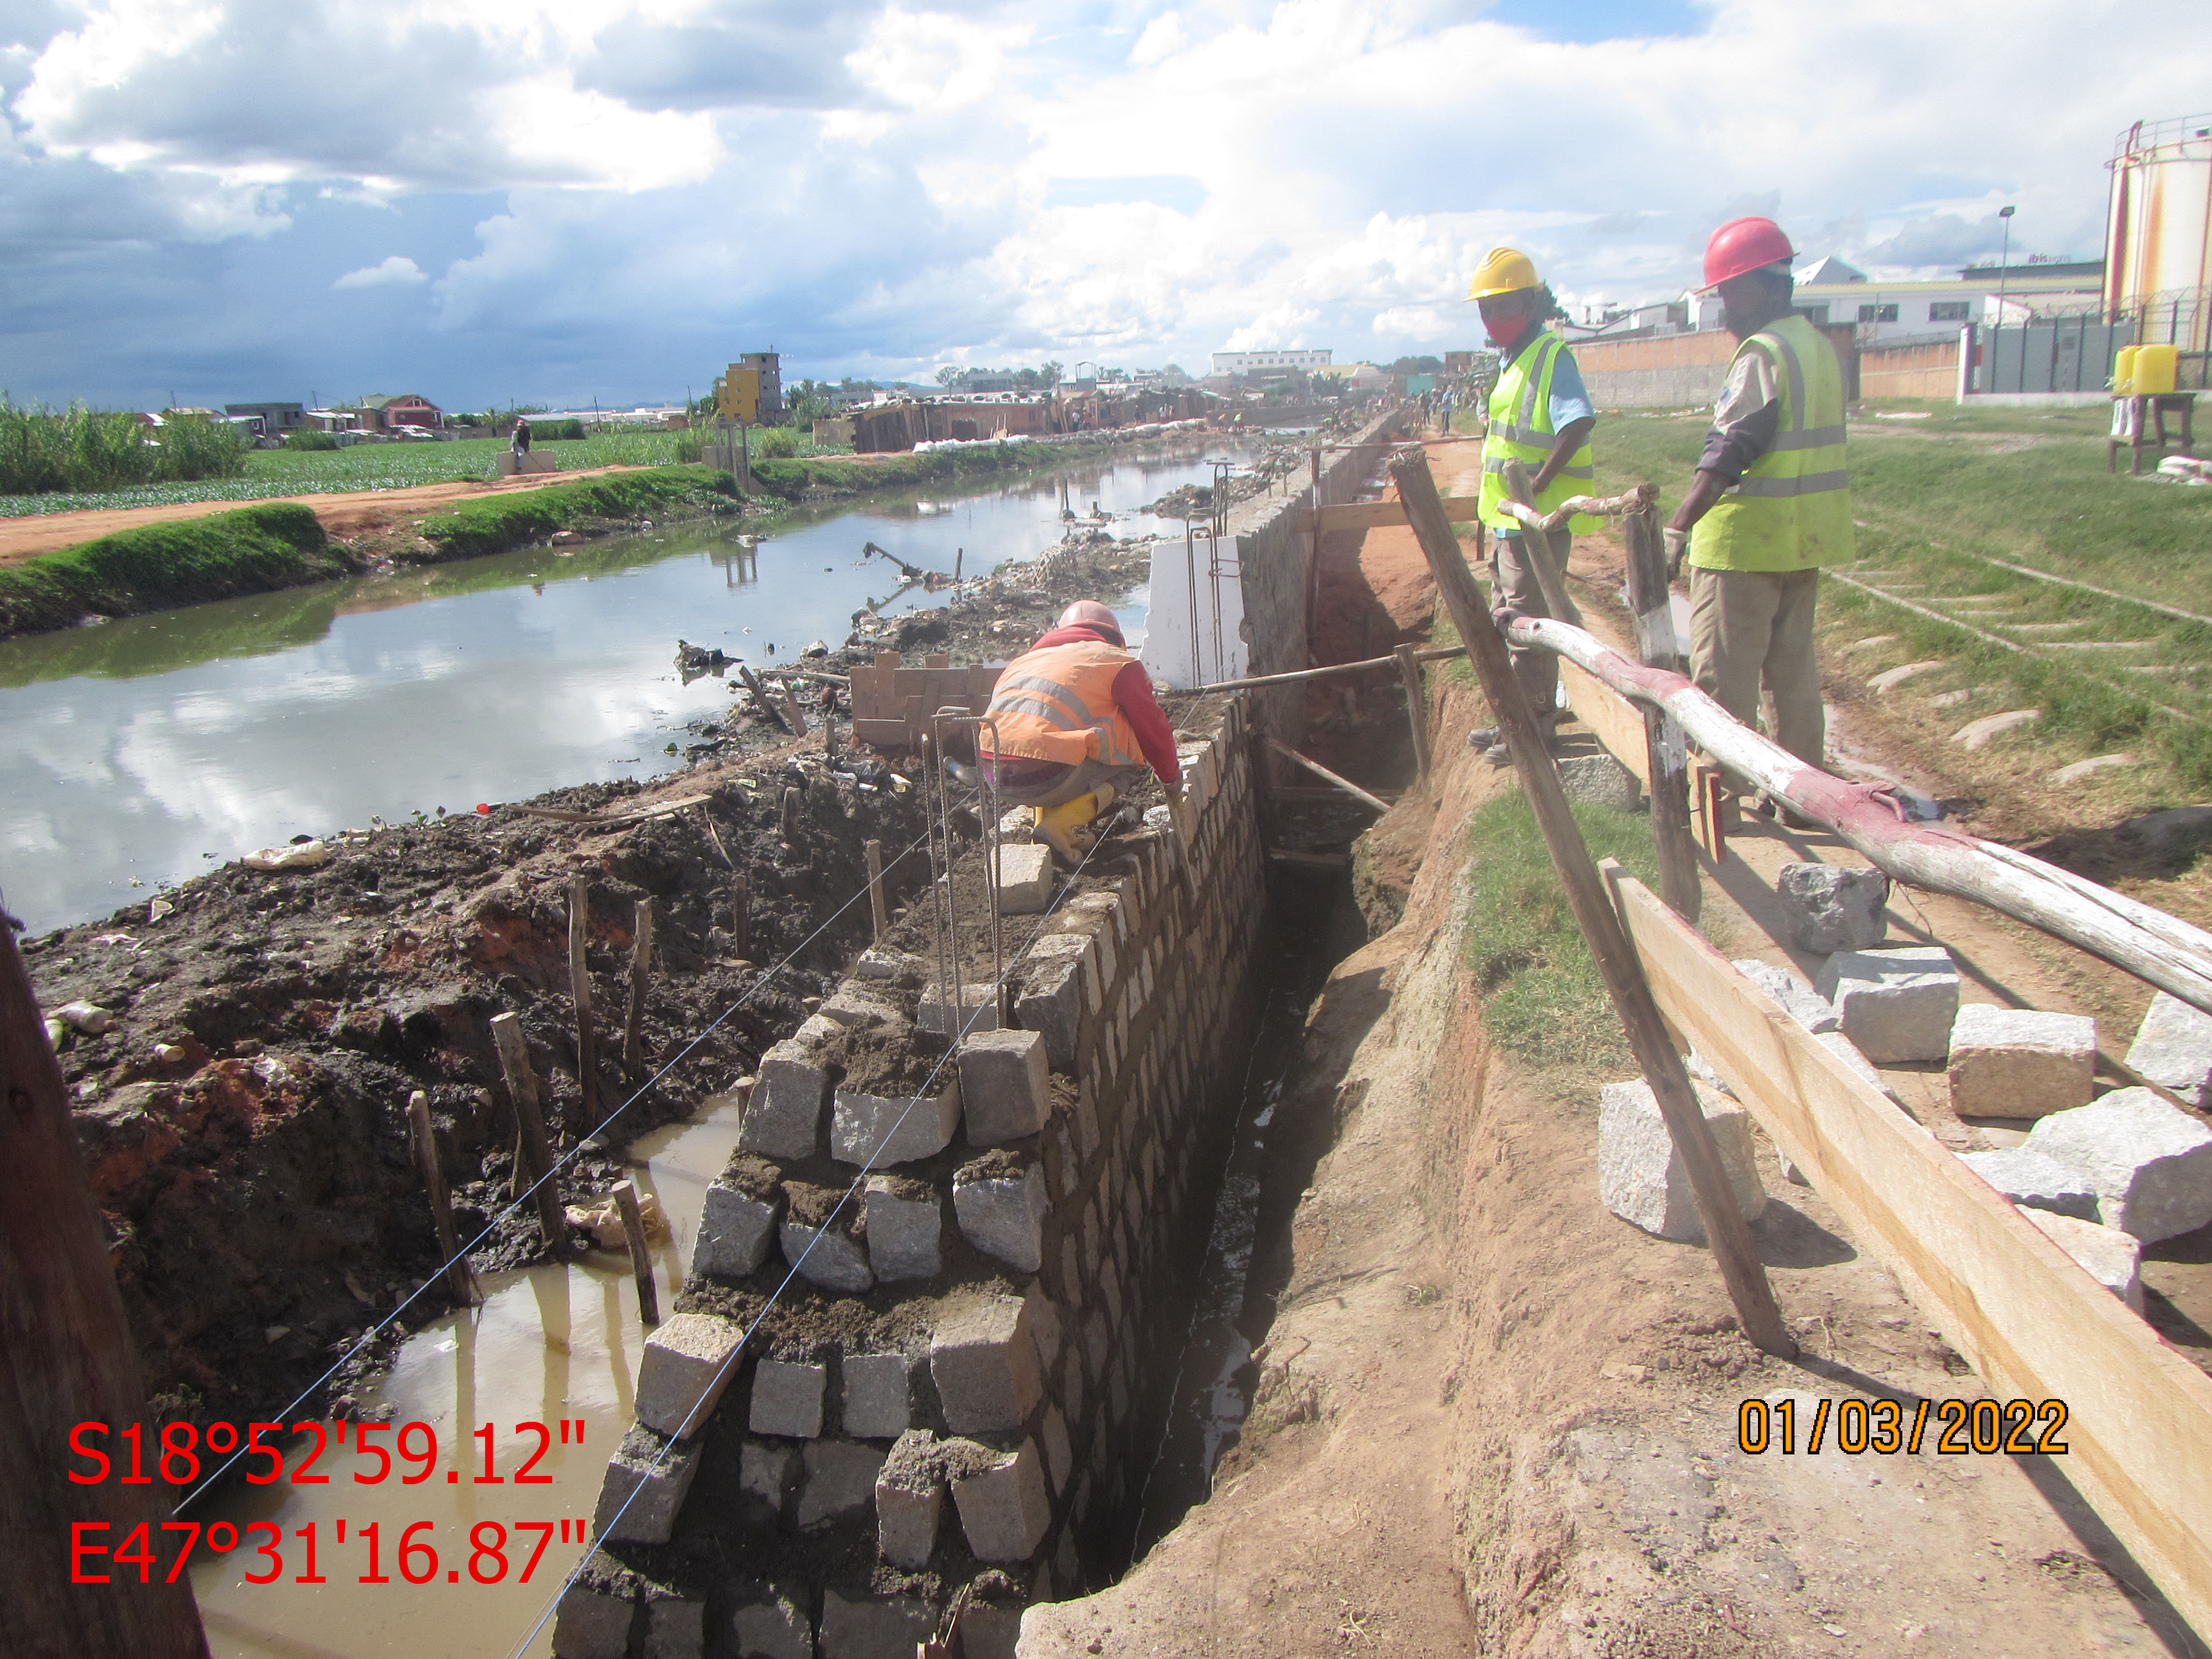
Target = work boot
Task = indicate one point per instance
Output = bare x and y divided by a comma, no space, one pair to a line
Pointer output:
1484,737
1066,829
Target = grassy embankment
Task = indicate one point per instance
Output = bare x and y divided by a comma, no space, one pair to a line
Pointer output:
1942,503
282,545
1542,1000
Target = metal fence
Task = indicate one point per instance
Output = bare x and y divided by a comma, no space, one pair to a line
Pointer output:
2066,353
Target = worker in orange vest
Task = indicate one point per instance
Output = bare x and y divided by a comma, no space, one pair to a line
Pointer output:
1077,724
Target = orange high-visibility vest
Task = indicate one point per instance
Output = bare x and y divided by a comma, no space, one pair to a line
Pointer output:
1056,703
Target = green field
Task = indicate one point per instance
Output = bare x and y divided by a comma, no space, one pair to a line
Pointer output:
270,472
1943,505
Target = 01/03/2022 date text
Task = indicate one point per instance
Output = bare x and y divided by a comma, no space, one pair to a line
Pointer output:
1983,1428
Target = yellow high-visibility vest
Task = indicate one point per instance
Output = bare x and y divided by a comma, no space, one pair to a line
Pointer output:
1521,430
1056,703
1792,511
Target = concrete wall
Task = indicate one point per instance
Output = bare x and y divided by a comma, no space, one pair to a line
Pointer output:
1027,1362
1928,370
1675,371
1274,551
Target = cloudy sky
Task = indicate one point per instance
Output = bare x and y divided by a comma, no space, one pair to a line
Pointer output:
547,200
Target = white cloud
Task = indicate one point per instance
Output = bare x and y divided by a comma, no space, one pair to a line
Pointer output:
883,186
397,271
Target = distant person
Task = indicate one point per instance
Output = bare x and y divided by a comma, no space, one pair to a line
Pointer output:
1077,724
521,439
1541,416
1771,501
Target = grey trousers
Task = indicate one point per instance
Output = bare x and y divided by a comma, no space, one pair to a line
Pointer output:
1073,781
1752,631
1514,583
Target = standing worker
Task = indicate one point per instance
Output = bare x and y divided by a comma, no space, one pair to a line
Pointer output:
1077,724
522,442
1771,501
1541,416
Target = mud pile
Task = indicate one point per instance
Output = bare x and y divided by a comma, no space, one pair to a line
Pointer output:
244,1116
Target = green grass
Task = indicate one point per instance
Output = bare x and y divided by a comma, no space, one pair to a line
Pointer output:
251,550
1938,501
496,523
270,472
1542,999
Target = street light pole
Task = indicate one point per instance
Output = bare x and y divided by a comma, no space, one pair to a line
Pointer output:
2004,261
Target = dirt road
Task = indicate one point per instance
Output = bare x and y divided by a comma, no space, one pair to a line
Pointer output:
350,513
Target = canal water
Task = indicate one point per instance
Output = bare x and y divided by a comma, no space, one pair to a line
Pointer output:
146,749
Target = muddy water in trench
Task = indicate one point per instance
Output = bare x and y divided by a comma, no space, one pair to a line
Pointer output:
138,752
549,1343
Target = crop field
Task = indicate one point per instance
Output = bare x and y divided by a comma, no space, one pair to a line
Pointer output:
2000,569
270,472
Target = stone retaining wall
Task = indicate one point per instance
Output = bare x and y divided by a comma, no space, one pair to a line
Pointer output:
959,1393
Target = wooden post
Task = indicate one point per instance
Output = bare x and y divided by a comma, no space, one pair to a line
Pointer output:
1550,576
580,992
761,699
458,1279
1725,1227
536,1157
1668,754
798,717
640,980
1417,711
791,799
640,1257
67,1357
741,918
875,852
959,554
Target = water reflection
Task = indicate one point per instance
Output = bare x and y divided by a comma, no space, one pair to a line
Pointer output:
545,1345
146,747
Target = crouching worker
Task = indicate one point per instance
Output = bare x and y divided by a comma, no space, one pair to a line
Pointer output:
1076,726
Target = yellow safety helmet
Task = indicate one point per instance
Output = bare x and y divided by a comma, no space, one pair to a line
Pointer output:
1503,270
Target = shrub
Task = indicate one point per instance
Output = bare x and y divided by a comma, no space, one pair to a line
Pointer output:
88,450
309,440
550,432
777,443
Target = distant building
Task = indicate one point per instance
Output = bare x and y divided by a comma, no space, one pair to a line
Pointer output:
383,413
1255,362
277,420
1886,313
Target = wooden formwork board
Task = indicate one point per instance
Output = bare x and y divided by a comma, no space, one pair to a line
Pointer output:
1612,719
2030,1319
1369,515
891,705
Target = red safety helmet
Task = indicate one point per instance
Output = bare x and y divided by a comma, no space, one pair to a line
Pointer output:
1088,613
1741,245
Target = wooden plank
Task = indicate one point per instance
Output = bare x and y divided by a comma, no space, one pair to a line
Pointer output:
68,1358
1656,1057
1612,719
1370,515
2035,1324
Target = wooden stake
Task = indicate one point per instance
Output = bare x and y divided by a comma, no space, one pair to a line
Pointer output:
1667,753
1320,771
641,981
1417,711
875,852
798,717
68,1358
761,698
741,918
458,1279
1725,1227
640,1257
537,1158
1551,574
580,992
792,801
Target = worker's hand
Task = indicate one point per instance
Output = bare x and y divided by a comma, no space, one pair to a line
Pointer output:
1678,544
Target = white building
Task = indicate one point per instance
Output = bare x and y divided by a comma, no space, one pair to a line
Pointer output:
1887,313
1250,363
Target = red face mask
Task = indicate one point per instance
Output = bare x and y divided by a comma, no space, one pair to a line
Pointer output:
1505,329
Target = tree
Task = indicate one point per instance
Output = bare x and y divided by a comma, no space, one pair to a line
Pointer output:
1051,373
949,376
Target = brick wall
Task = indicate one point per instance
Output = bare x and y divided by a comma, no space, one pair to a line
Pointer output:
983,1413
